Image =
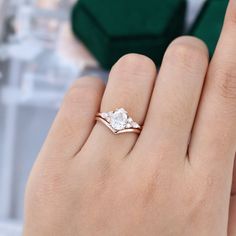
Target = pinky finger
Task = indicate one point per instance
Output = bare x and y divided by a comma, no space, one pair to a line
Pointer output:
75,119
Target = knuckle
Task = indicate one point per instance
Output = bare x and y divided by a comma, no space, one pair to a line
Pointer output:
198,198
77,95
49,185
82,98
147,189
181,109
134,66
150,190
84,91
187,52
230,18
89,80
225,80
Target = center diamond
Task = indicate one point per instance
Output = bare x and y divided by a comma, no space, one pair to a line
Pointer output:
119,119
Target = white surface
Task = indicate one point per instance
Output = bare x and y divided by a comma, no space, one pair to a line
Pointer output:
10,228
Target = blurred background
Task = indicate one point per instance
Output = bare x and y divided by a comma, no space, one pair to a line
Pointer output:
39,59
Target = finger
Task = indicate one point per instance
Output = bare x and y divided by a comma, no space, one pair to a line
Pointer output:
75,119
130,87
175,99
213,143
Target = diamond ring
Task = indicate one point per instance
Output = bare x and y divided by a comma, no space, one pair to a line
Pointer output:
119,121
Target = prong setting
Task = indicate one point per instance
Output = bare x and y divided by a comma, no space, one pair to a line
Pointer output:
119,121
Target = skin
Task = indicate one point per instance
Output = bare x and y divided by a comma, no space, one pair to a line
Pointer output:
88,181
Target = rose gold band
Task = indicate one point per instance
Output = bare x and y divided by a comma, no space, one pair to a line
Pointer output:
130,130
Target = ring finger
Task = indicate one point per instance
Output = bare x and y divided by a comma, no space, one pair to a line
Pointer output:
130,87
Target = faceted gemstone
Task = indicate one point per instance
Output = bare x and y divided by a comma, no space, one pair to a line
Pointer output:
119,119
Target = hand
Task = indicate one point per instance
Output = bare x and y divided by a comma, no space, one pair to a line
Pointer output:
88,181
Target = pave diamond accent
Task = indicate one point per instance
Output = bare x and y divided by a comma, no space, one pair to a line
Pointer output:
128,126
135,125
104,115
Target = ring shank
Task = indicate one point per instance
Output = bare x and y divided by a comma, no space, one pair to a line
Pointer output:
107,124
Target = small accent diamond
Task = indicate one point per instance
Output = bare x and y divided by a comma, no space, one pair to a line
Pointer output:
104,115
128,126
130,120
135,125
122,110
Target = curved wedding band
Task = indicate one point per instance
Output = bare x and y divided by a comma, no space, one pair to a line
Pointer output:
119,121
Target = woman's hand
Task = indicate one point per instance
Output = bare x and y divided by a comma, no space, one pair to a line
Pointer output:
88,181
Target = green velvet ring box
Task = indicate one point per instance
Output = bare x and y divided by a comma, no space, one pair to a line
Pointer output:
110,29
209,23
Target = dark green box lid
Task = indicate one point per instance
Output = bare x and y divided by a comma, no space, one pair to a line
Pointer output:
111,29
209,23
